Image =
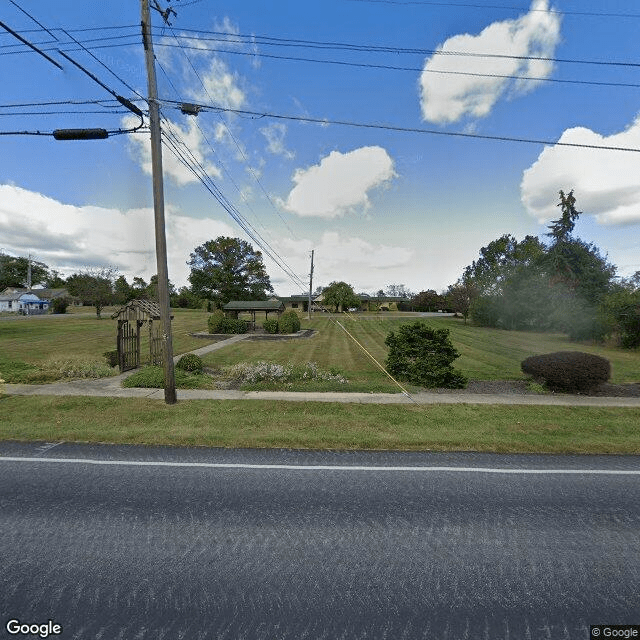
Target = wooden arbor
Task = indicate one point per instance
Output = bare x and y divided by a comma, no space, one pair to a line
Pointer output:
131,317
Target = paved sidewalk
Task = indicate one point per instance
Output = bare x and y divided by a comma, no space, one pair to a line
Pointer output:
111,387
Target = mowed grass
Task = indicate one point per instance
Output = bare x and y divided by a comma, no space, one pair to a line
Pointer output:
485,354
319,425
37,339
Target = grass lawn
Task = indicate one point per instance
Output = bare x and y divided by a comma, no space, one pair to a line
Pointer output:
486,354
316,425
38,339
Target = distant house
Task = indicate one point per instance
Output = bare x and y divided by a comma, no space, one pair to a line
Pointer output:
22,301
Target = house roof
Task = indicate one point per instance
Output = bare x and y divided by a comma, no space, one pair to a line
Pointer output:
254,305
26,295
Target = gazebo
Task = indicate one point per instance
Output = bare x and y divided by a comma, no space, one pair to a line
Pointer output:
253,306
131,317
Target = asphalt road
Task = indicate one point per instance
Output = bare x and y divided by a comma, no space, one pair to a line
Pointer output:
333,545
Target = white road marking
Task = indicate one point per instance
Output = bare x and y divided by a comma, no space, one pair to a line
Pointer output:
301,467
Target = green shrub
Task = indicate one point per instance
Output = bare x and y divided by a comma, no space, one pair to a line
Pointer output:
289,322
422,355
111,357
233,325
77,368
568,370
215,321
270,326
59,305
153,378
190,362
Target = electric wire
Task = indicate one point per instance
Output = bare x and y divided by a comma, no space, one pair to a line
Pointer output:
389,127
453,5
233,138
233,38
182,152
220,162
388,67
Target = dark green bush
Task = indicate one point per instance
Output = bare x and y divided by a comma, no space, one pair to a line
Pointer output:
111,357
59,305
289,322
215,321
233,325
190,362
422,355
270,326
568,370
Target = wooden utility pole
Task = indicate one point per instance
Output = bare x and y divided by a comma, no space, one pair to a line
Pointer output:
310,286
158,207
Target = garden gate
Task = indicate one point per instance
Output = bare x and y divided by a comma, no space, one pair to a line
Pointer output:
130,318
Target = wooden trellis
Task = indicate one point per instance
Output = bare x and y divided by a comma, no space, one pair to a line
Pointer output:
131,318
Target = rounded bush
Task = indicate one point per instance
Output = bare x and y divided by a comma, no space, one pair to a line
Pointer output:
422,356
568,370
215,321
289,322
270,326
233,325
190,362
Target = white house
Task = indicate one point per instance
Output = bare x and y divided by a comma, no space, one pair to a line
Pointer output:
22,302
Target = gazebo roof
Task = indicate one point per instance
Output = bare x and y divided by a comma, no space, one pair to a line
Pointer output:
254,305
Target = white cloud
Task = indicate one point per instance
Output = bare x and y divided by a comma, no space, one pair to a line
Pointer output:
365,265
219,85
173,168
447,98
275,133
605,182
340,183
68,237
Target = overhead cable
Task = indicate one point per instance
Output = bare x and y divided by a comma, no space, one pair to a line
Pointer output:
388,127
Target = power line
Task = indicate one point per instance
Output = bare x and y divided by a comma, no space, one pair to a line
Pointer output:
367,65
370,48
388,127
453,5
234,38
243,155
182,152
111,71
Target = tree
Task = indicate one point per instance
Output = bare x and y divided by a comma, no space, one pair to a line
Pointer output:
228,269
428,300
459,297
340,296
121,291
398,291
14,272
561,229
93,286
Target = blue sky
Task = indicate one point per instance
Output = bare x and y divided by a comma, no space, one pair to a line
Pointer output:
378,206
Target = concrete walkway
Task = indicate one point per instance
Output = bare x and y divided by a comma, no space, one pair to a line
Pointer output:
111,387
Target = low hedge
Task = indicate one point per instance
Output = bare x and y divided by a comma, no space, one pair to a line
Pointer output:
571,371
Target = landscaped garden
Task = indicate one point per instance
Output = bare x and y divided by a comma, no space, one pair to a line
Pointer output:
486,354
